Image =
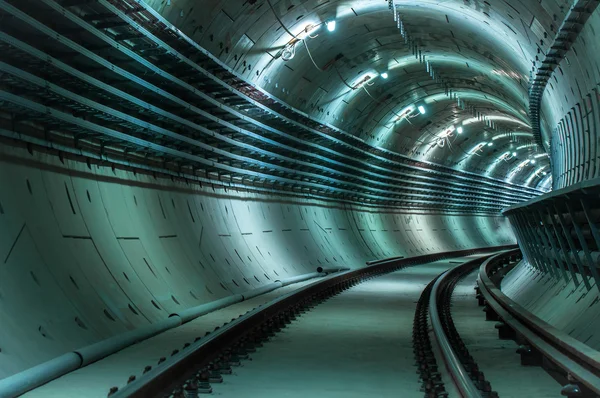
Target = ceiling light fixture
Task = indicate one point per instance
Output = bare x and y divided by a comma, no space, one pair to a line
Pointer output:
422,109
491,144
459,130
310,31
385,75
331,25
514,154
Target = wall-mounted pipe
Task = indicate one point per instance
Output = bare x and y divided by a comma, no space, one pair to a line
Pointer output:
299,278
203,309
375,262
38,375
262,290
43,373
331,270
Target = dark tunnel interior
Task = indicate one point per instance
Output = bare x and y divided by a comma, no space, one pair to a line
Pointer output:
166,159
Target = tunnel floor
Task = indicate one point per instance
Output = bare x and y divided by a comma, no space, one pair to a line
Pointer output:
496,358
356,344
95,380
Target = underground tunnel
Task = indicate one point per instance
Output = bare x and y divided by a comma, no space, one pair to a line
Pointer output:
290,198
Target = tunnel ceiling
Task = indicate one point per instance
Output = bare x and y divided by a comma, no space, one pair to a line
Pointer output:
463,60
414,106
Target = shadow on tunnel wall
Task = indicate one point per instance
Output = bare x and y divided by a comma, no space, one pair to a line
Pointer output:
90,251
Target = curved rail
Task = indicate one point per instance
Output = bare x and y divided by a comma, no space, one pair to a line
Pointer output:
466,376
580,362
460,375
194,365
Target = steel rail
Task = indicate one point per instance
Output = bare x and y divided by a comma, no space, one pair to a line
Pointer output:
184,366
460,376
575,358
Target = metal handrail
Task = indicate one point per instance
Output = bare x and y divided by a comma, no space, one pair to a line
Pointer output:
576,358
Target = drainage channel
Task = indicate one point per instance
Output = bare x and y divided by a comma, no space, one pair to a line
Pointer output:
213,358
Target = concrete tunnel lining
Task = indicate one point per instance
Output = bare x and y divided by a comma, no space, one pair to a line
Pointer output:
98,246
75,220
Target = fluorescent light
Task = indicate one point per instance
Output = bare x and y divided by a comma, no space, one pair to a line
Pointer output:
459,130
331,26
385,75
422,109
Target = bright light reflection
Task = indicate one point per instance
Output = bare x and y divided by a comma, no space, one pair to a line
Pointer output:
519,167
525,146
536,173
513,134
495,118
446,133
477,147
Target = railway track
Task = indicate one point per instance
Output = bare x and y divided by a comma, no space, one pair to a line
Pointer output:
191,370
572,363
435,308
576,364
444,364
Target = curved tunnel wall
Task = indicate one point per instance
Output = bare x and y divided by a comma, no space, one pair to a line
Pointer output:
572,109
571,123
89,251
570,308
456,37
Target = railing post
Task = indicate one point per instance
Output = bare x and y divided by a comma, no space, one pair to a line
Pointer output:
521,239
563,249
584,245
531,242
561,220
593,227
552,243
541,245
